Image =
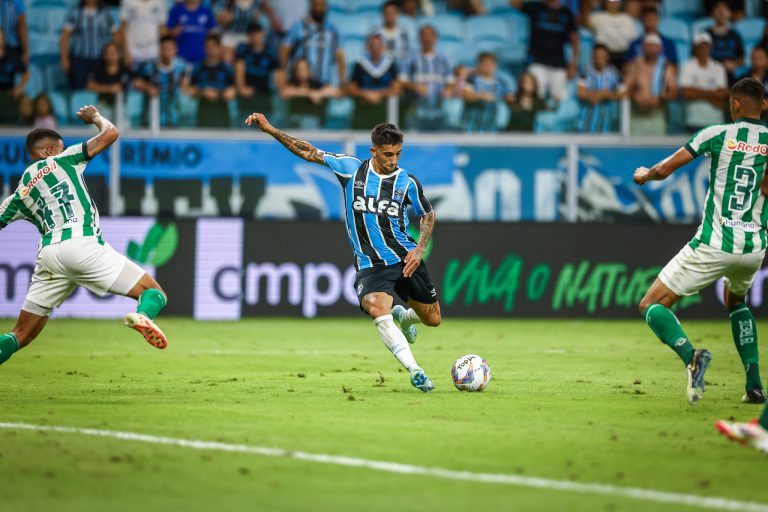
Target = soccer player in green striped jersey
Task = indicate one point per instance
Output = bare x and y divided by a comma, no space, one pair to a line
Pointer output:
729,243
53,196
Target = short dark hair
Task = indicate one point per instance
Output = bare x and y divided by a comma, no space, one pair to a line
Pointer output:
255,26
486,55
649,9
600,46
167,39
386,133
749,88
39,134
213,37
390,3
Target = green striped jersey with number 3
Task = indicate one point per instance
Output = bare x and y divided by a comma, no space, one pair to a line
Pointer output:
735,212
53,196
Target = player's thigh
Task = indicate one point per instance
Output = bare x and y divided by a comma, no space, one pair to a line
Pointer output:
420,293
429,314
740,275
95,265
693,269
49,286
375,288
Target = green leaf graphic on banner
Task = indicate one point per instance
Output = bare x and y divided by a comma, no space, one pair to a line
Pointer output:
159,246
166,247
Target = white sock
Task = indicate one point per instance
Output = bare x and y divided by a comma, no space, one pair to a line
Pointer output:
395,341
409,318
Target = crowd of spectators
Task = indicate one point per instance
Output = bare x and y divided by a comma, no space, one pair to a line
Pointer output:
227,58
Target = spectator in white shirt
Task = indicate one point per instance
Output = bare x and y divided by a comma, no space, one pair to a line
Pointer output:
703,83
615,29
395,37
142,23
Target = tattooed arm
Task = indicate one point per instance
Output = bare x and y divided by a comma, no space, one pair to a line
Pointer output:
414,257
298,147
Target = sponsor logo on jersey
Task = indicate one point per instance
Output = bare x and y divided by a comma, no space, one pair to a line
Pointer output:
740,224
359,183
398,194
744,147
380,207
37,177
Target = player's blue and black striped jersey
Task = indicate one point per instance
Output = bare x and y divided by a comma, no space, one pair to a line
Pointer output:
375,208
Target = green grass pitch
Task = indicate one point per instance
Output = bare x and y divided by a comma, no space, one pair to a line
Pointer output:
583,401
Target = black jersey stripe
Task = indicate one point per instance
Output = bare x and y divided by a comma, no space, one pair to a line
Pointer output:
358,190
386,189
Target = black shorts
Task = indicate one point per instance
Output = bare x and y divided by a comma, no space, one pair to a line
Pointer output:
390,280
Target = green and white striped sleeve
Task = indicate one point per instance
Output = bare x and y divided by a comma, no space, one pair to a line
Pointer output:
75,155
702,141
10,210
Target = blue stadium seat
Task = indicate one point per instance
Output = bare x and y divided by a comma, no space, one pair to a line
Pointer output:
453,108
336,6
60,104
687,9
36,82
700,25
187,111
366,6
488,28
503,115
513,54
351,25
683,51
675,29
519,26
751,30
354,49
79,98
338,113
451,50
54,76
449,26
134,107
497,6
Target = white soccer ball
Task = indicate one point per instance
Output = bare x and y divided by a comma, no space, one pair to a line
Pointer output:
471,373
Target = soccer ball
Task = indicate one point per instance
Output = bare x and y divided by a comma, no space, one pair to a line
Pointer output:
471,373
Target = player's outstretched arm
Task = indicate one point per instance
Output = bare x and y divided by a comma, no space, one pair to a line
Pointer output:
108,133
300,148
663,169
414,257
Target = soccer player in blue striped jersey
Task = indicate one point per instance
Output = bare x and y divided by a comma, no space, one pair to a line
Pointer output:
731,241
389,262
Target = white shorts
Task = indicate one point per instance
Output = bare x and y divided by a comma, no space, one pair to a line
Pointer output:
551,80
693,269
78,262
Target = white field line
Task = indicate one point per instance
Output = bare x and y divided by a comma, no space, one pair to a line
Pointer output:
407,469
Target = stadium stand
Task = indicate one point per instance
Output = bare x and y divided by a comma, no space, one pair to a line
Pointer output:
504,31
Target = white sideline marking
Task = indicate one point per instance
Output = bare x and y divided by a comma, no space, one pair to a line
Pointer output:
407,469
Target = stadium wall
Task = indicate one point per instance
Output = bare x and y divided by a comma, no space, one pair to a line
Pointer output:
505,178
226,269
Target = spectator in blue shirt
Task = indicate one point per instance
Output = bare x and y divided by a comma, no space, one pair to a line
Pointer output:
482,93
212,82
650,21
86,31
10,92
426,77
599,89
373,82
190,22
13,21
163,79
254,68
317,41
727,45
